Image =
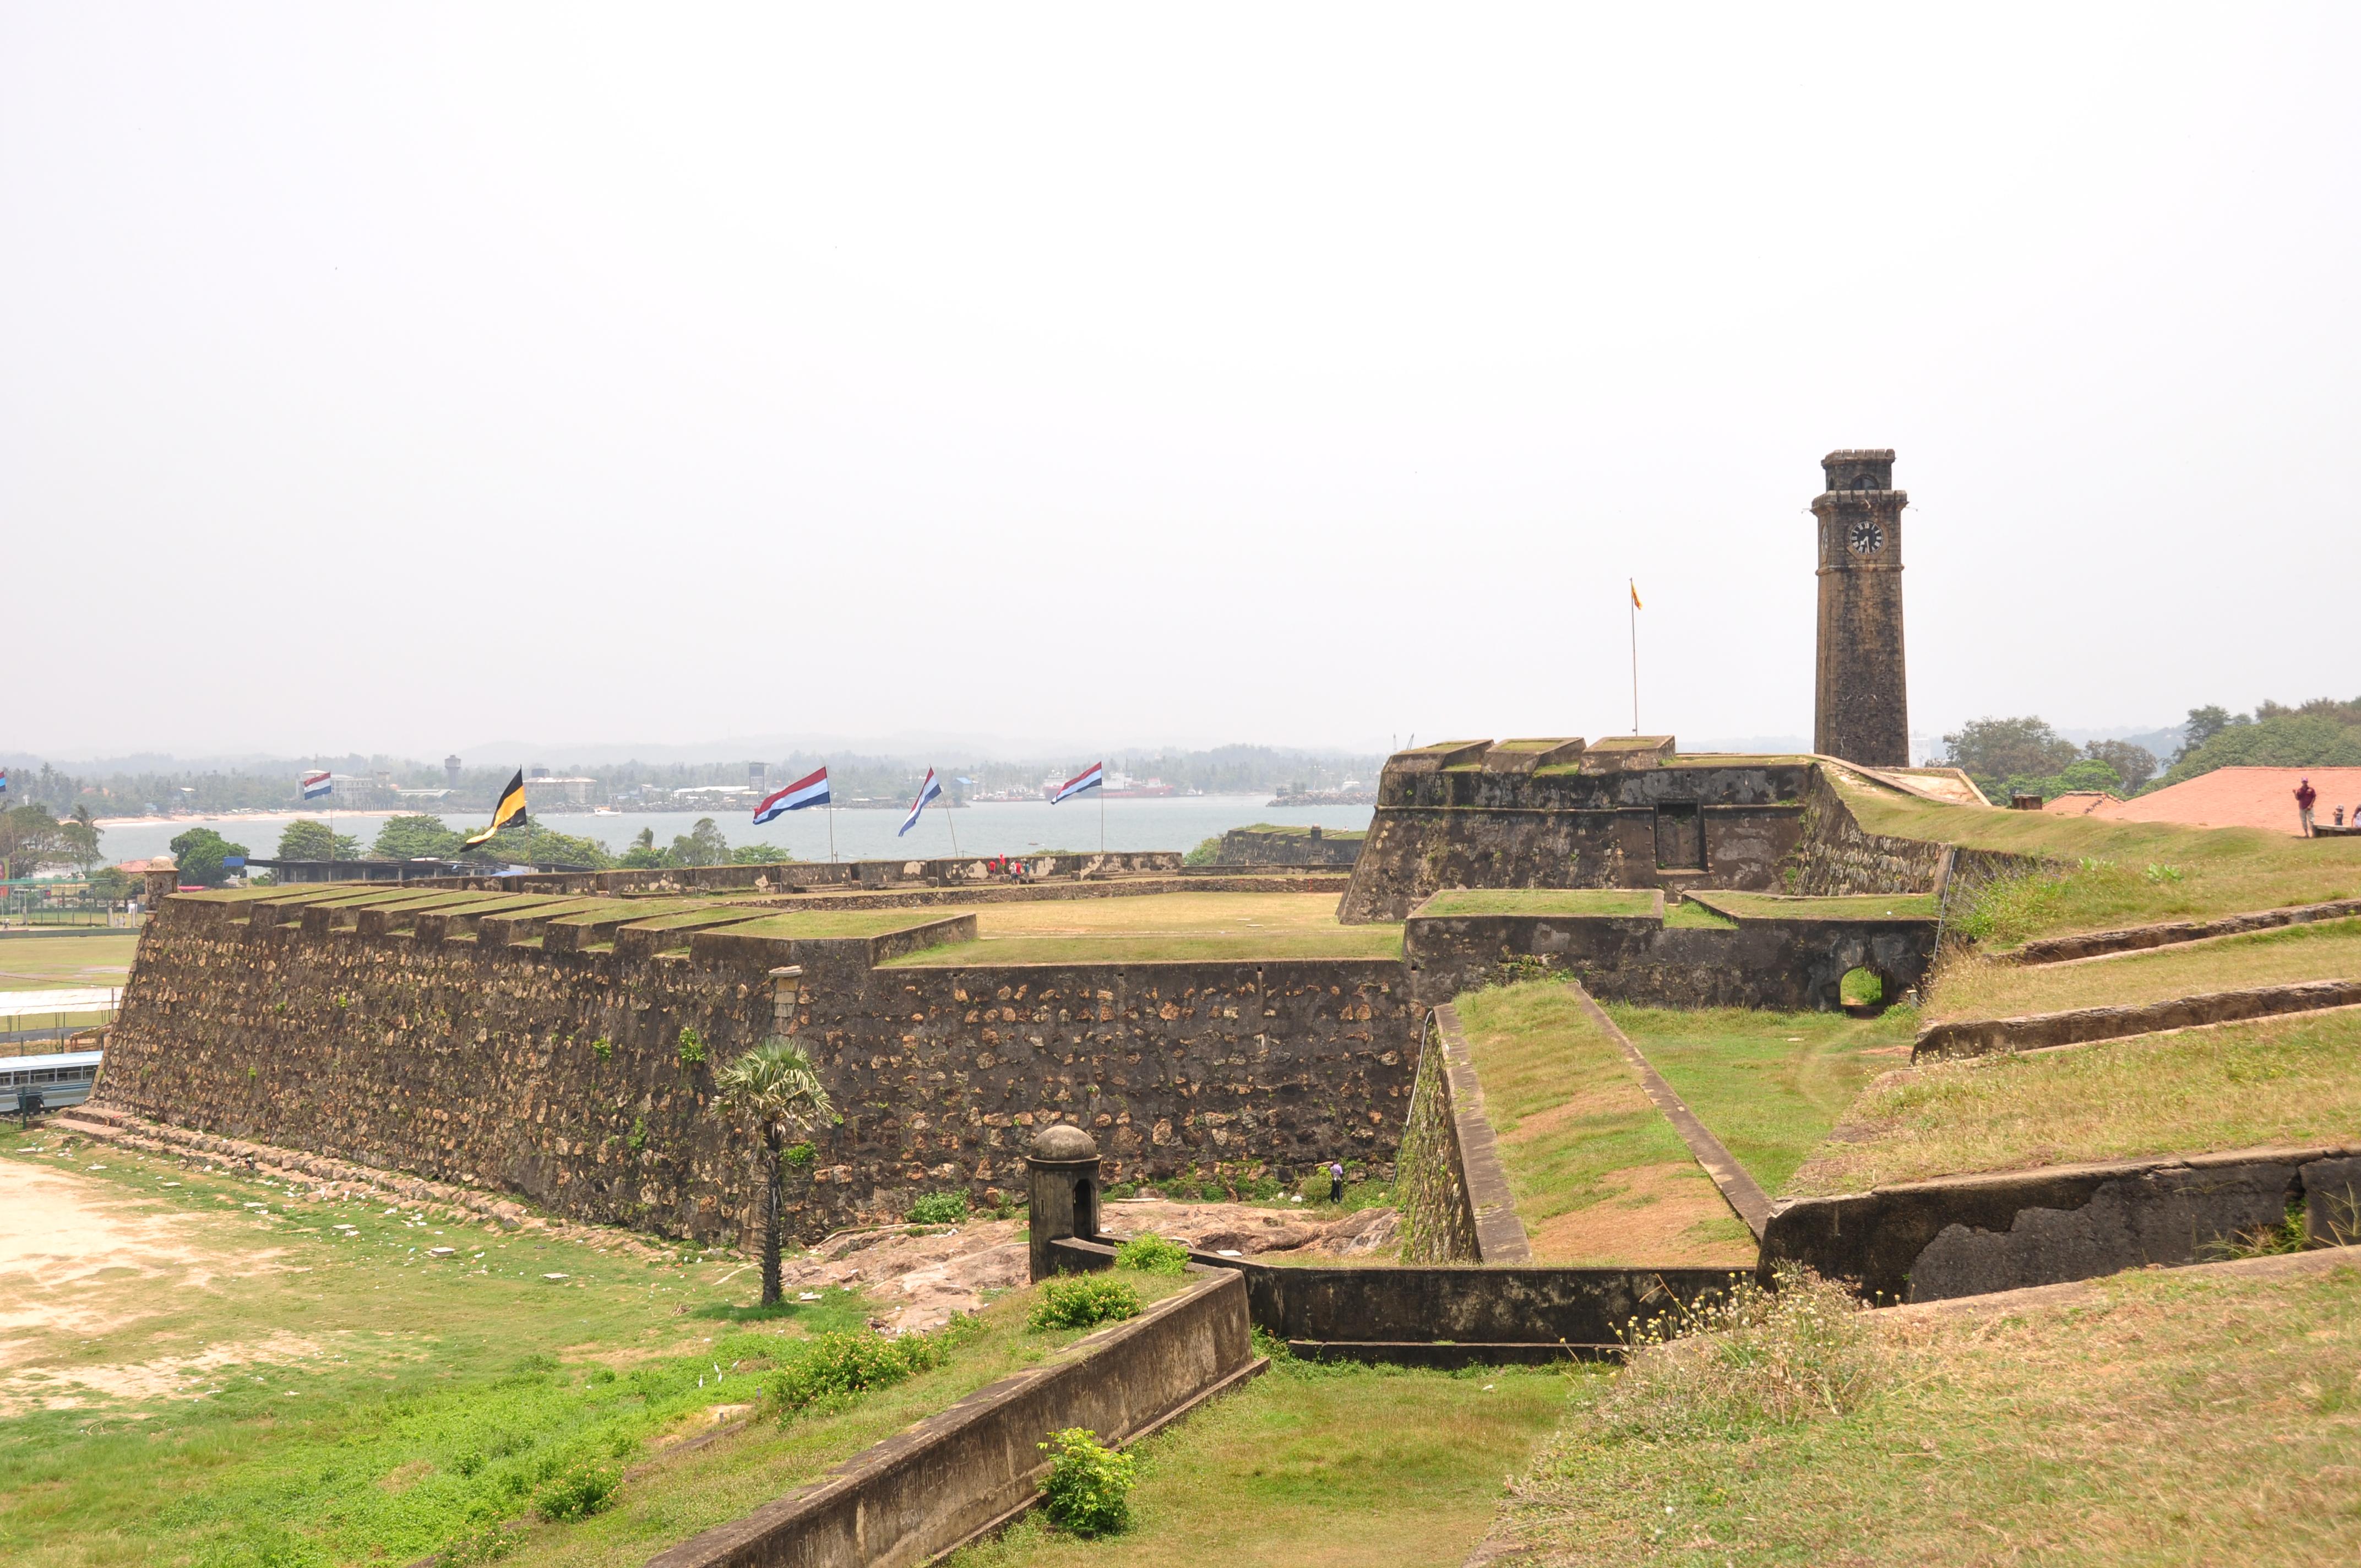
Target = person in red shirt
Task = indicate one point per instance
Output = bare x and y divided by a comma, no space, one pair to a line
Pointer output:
2304,796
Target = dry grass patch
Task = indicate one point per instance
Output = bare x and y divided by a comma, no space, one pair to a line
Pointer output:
1979,987
2283,1080
2161,1417
1599,1177
1163,927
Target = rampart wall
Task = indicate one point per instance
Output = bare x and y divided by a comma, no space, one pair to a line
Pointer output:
467,1049
1264,845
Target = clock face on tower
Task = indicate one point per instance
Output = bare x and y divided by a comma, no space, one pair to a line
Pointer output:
1867,539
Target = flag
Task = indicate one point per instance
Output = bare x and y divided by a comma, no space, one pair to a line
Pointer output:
811,791
930,790
509,813
1635,593
3,781
317,784
1089,778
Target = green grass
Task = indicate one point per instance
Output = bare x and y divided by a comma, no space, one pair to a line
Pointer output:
271,1392
2141,872
2285,1081
1769,1085
1690,916
1282,830
1597,1174
44,963
1873,906
1627,902
2190,1416
2330,949
1310,1465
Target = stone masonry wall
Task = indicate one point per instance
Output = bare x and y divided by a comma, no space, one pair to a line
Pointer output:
1430,1189
560,1076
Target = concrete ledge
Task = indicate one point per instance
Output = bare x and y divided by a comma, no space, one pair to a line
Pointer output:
2138,938
1967,1236
973,1467
1499,1233
2045,1031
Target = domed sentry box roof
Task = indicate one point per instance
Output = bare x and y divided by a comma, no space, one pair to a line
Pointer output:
1062,1142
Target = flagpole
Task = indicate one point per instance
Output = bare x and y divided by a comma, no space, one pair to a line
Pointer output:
831,827
950,824
1633,611
1102,812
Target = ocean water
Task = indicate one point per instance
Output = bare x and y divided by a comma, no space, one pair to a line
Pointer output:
1170,822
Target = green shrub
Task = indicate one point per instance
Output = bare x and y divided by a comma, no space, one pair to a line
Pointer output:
1089,1486
940,1209
487,1543
1077,1301
1152,1254
692,1047
575,1493
841,1365
1208,852
1750,1359
1213,1192
603,1049
1121,1190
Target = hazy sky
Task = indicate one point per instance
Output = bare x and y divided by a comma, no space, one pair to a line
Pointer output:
394,378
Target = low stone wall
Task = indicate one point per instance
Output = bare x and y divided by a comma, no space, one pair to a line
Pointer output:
1787,964
1967,1236
791,874
1385,1312
2140,939
956,1475
1290,846
458,1052
1834,855
2080,1026
1449,1183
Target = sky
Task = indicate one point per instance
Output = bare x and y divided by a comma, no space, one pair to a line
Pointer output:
383,380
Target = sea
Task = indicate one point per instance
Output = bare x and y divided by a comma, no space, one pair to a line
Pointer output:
996,827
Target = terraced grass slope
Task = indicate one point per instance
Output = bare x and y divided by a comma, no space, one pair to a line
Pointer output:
2185,1416
2294,1080
1599,1175
1170,926
2118,873
2330,949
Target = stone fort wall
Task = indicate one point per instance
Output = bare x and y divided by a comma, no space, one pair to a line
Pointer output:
560,1076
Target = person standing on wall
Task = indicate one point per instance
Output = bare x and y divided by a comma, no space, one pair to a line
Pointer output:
1335,1182
2304,796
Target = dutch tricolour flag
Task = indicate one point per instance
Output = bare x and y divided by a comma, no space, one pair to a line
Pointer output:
811,791
1090,777
931,790
316,784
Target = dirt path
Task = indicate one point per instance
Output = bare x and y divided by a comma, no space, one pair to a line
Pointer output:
70,1247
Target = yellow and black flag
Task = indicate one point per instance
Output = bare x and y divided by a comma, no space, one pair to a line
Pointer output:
509,813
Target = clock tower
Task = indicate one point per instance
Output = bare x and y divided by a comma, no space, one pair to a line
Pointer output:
1862,711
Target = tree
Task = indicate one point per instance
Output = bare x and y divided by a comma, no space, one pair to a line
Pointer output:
537,844
702,845
199,852
2203,725
1992,751
415,837
113,884
644,855
2133,765
80,831
759,855
775,1085
30,838
308,840
2287,739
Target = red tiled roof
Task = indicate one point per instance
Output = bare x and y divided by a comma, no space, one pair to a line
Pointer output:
2243,797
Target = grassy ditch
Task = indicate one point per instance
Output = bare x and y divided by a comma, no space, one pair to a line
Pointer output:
1769,1085
1311,1465
1599,1175
213,1372
1977,988
2284,1081
2169,1416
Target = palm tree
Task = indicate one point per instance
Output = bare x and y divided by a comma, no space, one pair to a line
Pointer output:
775,1083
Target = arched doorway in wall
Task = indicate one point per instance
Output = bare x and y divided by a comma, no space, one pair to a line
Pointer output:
1863,992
